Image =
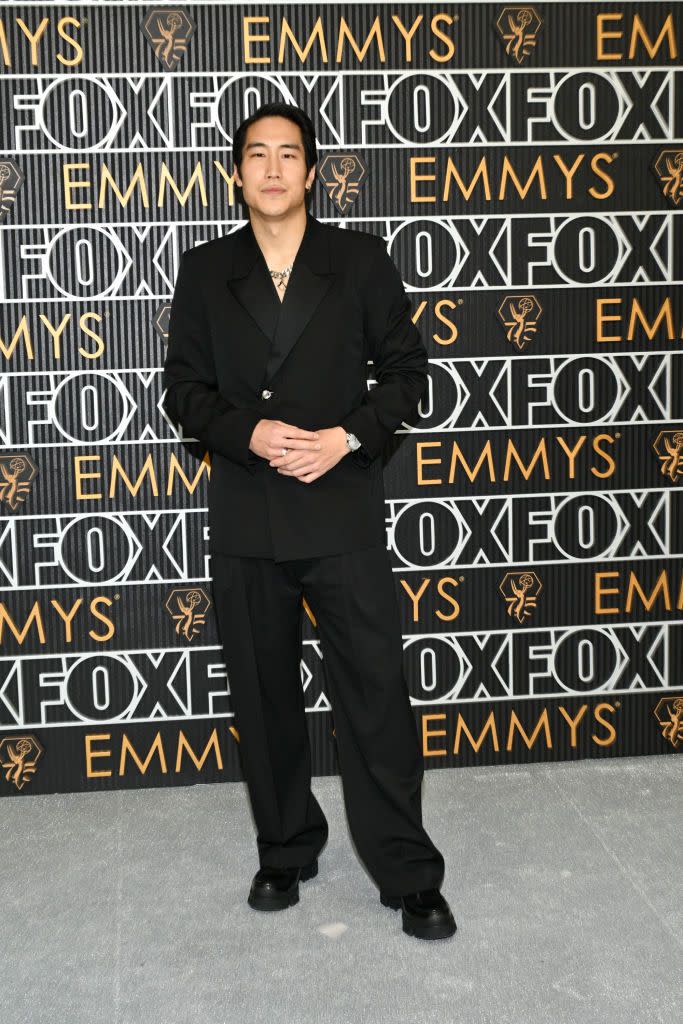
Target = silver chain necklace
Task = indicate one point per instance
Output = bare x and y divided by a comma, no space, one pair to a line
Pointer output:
282,275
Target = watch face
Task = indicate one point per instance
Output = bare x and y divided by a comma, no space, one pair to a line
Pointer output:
352,442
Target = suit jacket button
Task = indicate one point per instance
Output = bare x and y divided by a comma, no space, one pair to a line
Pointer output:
266,393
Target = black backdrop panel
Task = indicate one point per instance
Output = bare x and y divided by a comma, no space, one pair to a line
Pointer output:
524,166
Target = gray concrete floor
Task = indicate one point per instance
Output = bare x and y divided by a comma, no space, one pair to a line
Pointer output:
565,881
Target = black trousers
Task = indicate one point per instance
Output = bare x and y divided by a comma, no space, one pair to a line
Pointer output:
259,615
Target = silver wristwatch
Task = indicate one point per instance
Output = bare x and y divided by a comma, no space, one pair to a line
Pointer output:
352,441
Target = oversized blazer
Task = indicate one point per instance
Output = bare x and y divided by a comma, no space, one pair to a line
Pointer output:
237,354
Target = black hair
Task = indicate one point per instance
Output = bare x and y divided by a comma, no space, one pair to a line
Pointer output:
292,113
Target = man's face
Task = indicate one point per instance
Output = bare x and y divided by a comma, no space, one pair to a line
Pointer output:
273,173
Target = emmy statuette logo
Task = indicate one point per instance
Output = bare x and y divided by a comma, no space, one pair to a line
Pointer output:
161,321
669,169
520,591
520,315
168,29
669,714
519,28
669,448
342,175
188,608
16,474
19,756
11,180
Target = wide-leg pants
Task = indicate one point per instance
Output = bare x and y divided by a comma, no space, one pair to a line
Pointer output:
258,604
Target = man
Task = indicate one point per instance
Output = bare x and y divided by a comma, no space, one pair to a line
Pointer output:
271,330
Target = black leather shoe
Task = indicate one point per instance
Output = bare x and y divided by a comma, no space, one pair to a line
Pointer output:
278,888
426,914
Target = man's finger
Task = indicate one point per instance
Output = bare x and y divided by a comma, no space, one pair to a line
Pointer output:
290,431
297,466
293,445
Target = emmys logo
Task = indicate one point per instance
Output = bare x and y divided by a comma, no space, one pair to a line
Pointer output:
520,315
19,757
169,30
342,176
669,448
669,169
519,27
16,474
161,321
520,591
669,714
11,179
188,610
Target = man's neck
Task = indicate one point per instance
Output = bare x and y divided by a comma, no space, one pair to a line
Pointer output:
279,240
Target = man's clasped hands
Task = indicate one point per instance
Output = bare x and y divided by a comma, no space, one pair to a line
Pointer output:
310,453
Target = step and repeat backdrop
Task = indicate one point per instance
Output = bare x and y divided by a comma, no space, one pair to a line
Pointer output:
524,165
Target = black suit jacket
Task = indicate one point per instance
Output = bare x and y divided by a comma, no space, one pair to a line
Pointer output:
236,354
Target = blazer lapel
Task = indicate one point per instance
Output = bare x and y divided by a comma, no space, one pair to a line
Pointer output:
282,322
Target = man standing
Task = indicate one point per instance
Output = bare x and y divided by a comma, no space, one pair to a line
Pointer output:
271,329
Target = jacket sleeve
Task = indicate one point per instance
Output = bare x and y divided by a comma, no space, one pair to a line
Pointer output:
399,357
189,377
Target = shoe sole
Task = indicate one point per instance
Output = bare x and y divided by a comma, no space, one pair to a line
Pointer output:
443,930
259,901
435,931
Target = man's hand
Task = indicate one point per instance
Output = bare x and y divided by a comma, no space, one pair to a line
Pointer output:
305,460
269,437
